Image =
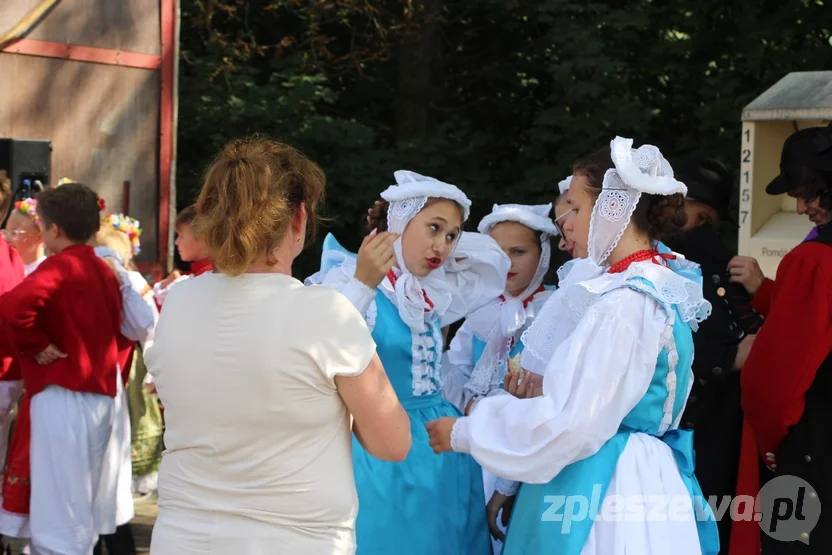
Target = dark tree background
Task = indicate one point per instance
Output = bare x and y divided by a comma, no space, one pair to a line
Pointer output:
499,97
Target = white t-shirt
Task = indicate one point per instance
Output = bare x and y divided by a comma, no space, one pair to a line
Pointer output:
255,428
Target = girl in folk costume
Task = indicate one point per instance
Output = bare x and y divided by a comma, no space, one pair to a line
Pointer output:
614,344
415,274
123,234
488,345
119,238
23,233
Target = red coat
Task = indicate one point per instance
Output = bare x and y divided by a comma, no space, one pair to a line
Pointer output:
791,346
11,274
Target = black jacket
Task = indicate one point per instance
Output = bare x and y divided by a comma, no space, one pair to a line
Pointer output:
714,409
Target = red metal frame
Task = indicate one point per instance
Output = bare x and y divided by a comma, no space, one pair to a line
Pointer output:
167,136
78,53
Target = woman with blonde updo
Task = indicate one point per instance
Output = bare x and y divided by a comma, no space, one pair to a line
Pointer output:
261,377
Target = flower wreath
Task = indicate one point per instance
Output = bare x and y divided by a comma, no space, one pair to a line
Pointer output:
127,225
28,207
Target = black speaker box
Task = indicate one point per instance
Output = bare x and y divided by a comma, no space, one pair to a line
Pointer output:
28,163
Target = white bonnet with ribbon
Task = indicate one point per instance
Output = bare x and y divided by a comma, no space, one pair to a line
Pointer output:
406,199
535,217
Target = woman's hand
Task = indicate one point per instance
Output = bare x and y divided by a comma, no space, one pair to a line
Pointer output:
499,501
746,271
530,386
439,432
375,258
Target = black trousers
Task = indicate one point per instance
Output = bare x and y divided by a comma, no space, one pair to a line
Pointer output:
120,543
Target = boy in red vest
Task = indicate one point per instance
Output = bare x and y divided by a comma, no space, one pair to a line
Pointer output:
191,249
64,321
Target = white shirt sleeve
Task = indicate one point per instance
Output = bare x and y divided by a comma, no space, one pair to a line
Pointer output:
138,319
457,364
340,344
595,378
476,271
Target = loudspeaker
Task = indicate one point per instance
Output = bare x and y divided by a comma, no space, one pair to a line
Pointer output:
28,163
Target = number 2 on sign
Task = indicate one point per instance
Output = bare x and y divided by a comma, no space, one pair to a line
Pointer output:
746,156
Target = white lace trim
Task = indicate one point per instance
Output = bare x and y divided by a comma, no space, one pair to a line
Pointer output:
400,213
561,314
506,487
458,436
610,217
668,343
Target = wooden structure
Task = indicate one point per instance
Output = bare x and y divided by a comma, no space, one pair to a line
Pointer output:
98,79
769,225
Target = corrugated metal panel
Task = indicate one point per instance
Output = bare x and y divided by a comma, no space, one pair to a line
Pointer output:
797,96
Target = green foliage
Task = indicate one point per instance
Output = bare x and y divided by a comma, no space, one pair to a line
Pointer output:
497,96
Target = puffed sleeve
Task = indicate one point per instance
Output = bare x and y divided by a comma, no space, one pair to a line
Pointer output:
595,378
338,272
138,319
457,364
476,273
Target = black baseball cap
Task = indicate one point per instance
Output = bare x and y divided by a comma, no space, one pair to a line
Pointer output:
708,181
809,148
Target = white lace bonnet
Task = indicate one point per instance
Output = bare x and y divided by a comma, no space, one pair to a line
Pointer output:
636,171
406,199
411,193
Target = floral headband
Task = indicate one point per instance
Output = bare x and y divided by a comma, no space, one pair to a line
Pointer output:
127,225
28,207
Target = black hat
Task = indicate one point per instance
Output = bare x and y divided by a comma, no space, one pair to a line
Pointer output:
708,182
809,148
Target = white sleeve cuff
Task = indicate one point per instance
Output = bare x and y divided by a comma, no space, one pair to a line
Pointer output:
506,487
460,436
359,295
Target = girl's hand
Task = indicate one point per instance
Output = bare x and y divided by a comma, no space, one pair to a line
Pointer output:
439,432
375,258
499,502
530,386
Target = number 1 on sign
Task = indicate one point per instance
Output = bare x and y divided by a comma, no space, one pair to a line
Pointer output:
748,135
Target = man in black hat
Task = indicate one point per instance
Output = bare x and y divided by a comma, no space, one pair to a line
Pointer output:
723,341
787,379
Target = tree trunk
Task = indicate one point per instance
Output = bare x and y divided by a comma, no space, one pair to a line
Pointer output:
417,56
